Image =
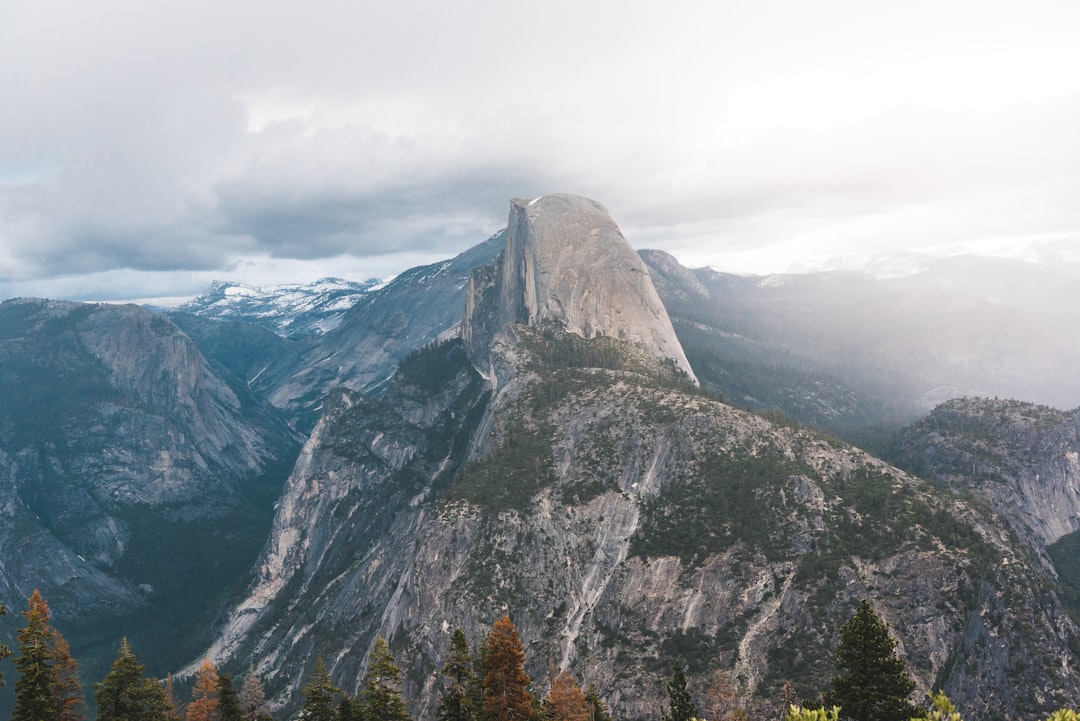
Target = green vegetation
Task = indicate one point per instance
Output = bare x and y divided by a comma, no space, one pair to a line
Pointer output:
1065,553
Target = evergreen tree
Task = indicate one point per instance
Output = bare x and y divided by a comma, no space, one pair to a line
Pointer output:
565,701
124,695
456,703
479,673
598,710
320,695
34,700
348,709
170,699
872,684
228,702
66,688
4,650
380,699
253,699
506,685
681,706
204,697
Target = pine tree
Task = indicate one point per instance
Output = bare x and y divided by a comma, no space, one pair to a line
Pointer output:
456,703
565,701
253,699
66,688
4,650
479,673
124,695
320,695
348,709
204,697
872,684
34,700
598,710
681,706
228,702
170,699
506,685
380,699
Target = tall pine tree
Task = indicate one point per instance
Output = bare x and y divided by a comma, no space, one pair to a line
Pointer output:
380,699
456,704
320,695
506,685
124,695
253,698
872,683
565,701
228,702
681,706
66,688
204,697
4,650
34,700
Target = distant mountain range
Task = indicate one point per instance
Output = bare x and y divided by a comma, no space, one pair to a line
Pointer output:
640,462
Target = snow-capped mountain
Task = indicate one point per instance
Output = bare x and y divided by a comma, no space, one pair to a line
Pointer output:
291,310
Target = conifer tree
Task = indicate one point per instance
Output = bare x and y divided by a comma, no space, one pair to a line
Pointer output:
204,697
872,683
348,709
565,701
66,688
320,695
506,685
4,650
456,703
124,695
479,673
170,698
253,698
681,706
228,702
34,700
598,710
380,699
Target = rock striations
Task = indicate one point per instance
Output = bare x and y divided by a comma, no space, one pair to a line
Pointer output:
567,263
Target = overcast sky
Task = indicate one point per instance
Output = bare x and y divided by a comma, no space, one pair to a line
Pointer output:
147,148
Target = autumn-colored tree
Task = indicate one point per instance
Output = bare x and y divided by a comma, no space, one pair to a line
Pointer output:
320,695
565,701
721,702
456,704
66,688
506,685
204,697
380,699
124,695
170,699
34,699
253,699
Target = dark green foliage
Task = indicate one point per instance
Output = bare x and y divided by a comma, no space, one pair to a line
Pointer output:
598,710
435,365
4,650
455,704
510,475
719,503
320,695
228,702
1065,553
124,695
871,682
348,709
380,698
34,700
680,706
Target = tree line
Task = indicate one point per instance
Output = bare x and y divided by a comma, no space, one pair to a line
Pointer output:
486,683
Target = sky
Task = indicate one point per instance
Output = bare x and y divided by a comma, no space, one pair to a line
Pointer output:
147,149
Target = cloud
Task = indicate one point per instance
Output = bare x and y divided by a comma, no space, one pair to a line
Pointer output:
211,138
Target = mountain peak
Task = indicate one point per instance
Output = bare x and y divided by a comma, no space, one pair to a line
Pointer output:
567,262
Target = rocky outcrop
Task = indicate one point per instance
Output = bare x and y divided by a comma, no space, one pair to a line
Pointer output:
136,479
567,263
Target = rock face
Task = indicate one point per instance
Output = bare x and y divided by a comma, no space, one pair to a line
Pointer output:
134,462
623,519
566,262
